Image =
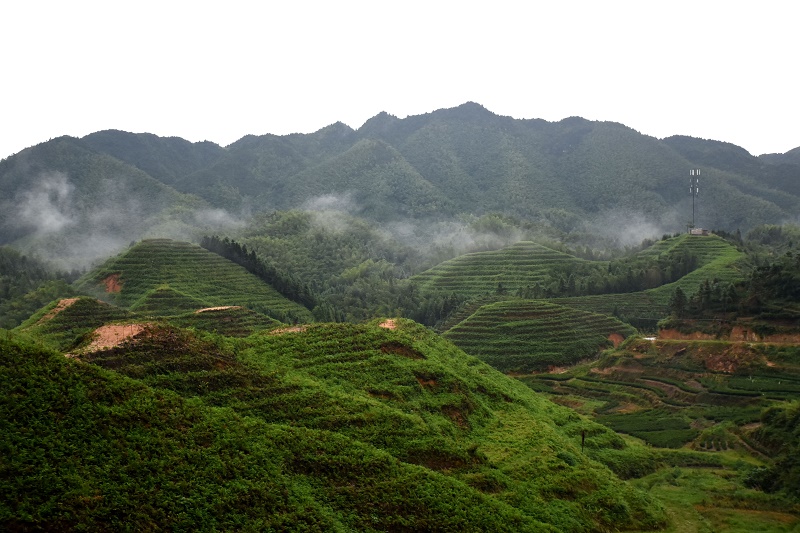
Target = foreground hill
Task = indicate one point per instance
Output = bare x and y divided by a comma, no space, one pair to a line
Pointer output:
120,455
384,426
164,277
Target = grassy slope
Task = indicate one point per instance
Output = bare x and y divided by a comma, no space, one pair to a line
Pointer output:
526,335
475,274
65,329
160,277
525,264
86,448
716,260
419,421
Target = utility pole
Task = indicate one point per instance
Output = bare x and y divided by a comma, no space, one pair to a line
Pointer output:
694,188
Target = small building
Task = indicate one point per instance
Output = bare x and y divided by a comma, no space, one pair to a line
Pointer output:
699,231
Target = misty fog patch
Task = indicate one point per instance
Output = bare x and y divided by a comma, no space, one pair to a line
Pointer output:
47,206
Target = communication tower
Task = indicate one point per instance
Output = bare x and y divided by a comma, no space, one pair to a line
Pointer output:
694,188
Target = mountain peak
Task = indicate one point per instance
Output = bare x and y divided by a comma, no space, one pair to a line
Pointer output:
466,111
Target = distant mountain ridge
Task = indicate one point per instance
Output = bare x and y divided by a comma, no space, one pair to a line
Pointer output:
443,164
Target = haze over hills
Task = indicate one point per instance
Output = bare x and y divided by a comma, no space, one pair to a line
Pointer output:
574,175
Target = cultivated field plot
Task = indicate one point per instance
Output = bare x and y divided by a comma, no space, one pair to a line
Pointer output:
526,335
705,395
516,267
163,277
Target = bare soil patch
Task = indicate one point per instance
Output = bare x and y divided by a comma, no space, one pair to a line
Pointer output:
388,324
455,414
112,283
289,329
109,336
627,407
616,339
60,306
427,383
113,335
674,334
218,308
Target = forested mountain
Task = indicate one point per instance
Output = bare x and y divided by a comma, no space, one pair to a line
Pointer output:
72,204
112,187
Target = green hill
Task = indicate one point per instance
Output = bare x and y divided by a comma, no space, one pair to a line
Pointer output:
68,322
535,271
510,269
163,277
527,335
229,321
716,259
165,158
111,454
322,427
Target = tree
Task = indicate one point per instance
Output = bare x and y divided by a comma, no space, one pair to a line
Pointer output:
677,303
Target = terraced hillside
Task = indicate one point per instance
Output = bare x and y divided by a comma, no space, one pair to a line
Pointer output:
713,409
716,260
512,268
231,321
527,335
67,322
382,426
162,277
529,267
674,392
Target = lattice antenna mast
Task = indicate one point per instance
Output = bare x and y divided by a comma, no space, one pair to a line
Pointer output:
694,187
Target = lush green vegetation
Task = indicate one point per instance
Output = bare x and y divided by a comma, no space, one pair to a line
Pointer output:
712,257
527,335
525,268
163,277
358,427
26,285
770,291
255,388
66,323
289,287
87,449
413,404
725,399
576,177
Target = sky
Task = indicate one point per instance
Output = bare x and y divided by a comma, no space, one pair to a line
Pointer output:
214,70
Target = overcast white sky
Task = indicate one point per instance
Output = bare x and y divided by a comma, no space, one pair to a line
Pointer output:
204,70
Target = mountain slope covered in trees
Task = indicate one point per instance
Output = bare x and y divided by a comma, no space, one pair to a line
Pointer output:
115,186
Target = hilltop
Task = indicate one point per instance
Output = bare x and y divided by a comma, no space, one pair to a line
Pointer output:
162,277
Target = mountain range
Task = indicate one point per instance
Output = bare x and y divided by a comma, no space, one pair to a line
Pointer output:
90,196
